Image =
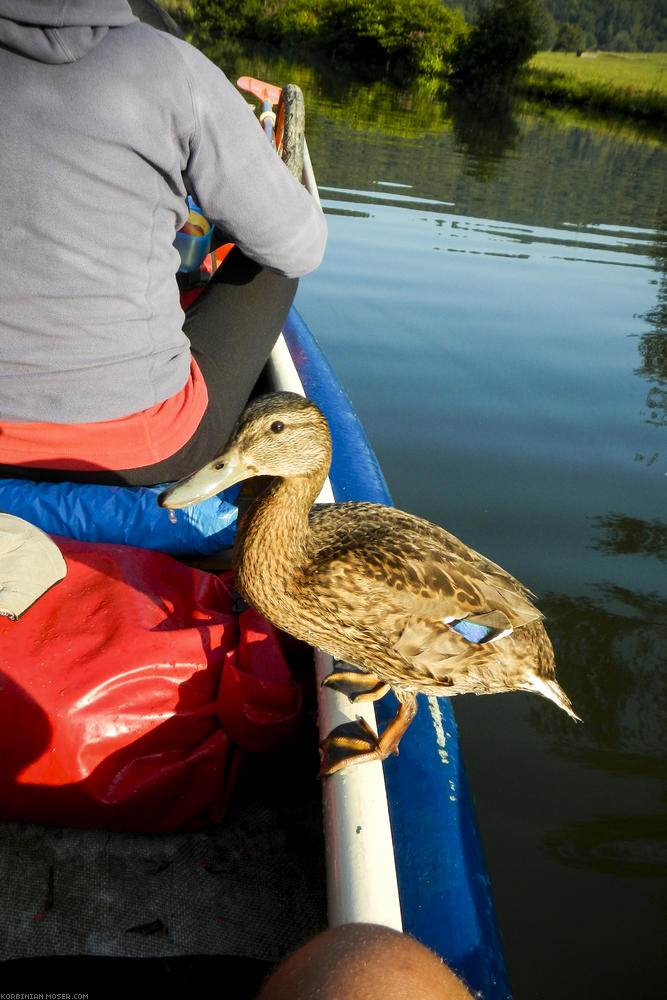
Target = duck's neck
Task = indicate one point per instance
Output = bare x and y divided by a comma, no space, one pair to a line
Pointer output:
272,539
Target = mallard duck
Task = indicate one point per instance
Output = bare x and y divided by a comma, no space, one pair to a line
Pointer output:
404,602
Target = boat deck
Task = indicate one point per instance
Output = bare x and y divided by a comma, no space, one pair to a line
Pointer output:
252,886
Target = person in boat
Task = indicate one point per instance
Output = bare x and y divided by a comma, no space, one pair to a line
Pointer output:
108,125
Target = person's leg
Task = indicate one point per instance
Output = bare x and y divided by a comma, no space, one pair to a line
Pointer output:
232,327
364,961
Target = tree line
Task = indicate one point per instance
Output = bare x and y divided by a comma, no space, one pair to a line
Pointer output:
611,25
393,36
468,40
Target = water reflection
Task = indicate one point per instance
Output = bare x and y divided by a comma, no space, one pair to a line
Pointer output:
486,128
653,345
376,106
630,846
625,535
610,656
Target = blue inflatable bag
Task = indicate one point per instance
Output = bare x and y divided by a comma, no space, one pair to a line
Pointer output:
125,515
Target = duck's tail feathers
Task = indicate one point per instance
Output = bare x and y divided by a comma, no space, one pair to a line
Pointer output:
553,691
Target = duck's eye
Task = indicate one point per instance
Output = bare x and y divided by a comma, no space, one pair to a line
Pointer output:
277,426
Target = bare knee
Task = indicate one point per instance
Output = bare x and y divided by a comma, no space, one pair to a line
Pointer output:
364,961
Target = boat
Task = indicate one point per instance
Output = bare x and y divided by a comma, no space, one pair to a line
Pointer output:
394,843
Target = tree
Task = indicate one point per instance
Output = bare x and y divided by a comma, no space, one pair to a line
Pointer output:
549,30
506,35
217,18
622,42
416,36
570,38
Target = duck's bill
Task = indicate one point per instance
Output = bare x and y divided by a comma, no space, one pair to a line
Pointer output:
223,472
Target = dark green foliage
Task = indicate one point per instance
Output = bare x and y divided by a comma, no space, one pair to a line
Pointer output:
506,35
570,38
412,35
220,18
549,30
402,37
612,25
615,25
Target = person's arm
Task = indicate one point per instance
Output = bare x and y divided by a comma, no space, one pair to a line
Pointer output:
240,183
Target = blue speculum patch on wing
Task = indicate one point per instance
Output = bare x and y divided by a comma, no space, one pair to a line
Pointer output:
485,627
474,632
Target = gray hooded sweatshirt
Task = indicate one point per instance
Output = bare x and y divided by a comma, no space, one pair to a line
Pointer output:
106,125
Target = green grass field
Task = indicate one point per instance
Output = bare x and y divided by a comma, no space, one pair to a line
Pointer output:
641,71
625,85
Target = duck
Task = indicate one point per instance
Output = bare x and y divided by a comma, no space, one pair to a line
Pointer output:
399,603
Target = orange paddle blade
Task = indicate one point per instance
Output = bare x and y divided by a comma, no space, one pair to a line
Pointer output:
262,91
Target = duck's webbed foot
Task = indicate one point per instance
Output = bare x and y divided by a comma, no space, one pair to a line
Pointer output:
356,684
350,743
356,743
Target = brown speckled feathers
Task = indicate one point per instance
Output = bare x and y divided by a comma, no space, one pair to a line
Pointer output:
389,593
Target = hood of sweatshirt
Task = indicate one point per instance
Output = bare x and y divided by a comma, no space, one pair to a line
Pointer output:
59,31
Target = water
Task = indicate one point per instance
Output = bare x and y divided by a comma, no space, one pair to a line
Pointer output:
493,298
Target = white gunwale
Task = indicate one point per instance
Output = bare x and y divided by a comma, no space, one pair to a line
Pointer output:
362,885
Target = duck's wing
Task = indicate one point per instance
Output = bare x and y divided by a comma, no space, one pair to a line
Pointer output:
426,612
400,565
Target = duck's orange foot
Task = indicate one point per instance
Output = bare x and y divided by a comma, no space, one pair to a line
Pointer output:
349,743
356,743
356,685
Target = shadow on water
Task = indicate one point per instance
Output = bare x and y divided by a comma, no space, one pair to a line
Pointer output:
623,846
612,664
609,649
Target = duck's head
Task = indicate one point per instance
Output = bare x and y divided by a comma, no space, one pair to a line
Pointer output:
282,434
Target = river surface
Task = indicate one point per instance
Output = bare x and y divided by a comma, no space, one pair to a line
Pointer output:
494,301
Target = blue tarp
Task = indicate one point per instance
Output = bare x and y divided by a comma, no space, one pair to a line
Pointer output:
125,515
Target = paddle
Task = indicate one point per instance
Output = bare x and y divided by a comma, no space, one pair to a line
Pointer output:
269,95
284,129
262,91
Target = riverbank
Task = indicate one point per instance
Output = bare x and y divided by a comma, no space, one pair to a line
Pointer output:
625,87
623,84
